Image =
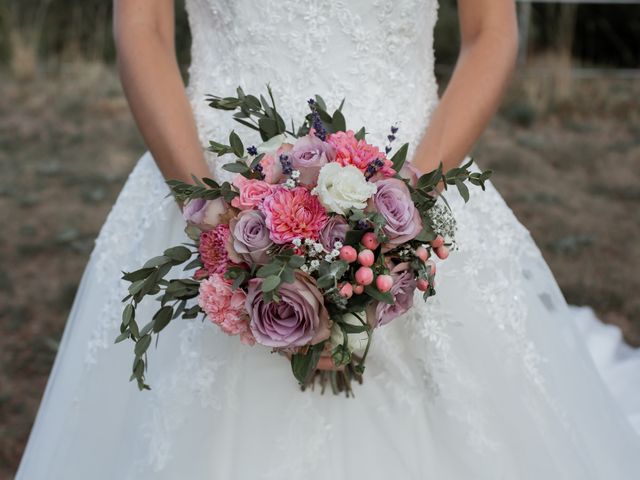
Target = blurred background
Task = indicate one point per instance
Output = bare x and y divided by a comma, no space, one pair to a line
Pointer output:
565,148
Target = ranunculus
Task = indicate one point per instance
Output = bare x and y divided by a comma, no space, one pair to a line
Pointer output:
403,288
308,155
225,307
293,214
298,319
351,151
334,231
204,213
343,188
250,238
393,202
212,249
252,192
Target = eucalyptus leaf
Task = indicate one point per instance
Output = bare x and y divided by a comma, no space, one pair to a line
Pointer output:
270,283
463,189
287,275
400,157
349,328
128,314
269,269
123,336
338,123
236,144
157,261
296,261
178,254
384,297
142,345
236,167
303,366
162,318
138,274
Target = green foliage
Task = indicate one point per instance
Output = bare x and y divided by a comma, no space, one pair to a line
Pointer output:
304,365
173,296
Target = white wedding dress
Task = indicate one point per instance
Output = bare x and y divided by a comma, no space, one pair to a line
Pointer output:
490,379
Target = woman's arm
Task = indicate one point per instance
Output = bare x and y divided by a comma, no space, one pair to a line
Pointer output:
489,43
144,34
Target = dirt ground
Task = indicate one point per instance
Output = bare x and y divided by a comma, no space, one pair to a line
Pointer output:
569,168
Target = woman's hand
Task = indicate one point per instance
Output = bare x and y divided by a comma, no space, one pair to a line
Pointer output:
489,44
144,35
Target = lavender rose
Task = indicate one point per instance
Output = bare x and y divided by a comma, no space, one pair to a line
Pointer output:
299,318
308,155
334,231
393,201
250,238
204,213
403,288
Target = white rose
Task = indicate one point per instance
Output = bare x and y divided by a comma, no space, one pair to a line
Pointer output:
356,342
342,188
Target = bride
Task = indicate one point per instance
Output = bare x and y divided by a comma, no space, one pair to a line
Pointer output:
487,380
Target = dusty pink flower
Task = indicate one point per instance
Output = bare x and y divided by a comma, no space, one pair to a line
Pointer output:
402,218
298,319
213,252
402,288
411,173
204,213
293,214
226,307
271,168
252,192
351,151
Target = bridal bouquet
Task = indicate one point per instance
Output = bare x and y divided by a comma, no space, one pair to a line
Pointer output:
319,239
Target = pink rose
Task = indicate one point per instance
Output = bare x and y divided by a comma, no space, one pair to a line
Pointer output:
252,192
226,307
271,168
308,155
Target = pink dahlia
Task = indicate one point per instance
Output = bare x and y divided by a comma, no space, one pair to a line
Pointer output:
293,214
226,307
351,151
213,252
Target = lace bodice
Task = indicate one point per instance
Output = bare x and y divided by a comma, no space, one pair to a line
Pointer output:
378,54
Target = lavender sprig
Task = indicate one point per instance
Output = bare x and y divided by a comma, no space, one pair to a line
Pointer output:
316,122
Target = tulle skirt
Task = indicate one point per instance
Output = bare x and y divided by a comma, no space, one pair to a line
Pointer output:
489,379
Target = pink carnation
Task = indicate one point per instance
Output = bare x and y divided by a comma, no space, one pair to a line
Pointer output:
226,307
252,192
293,214
213,252
351,151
